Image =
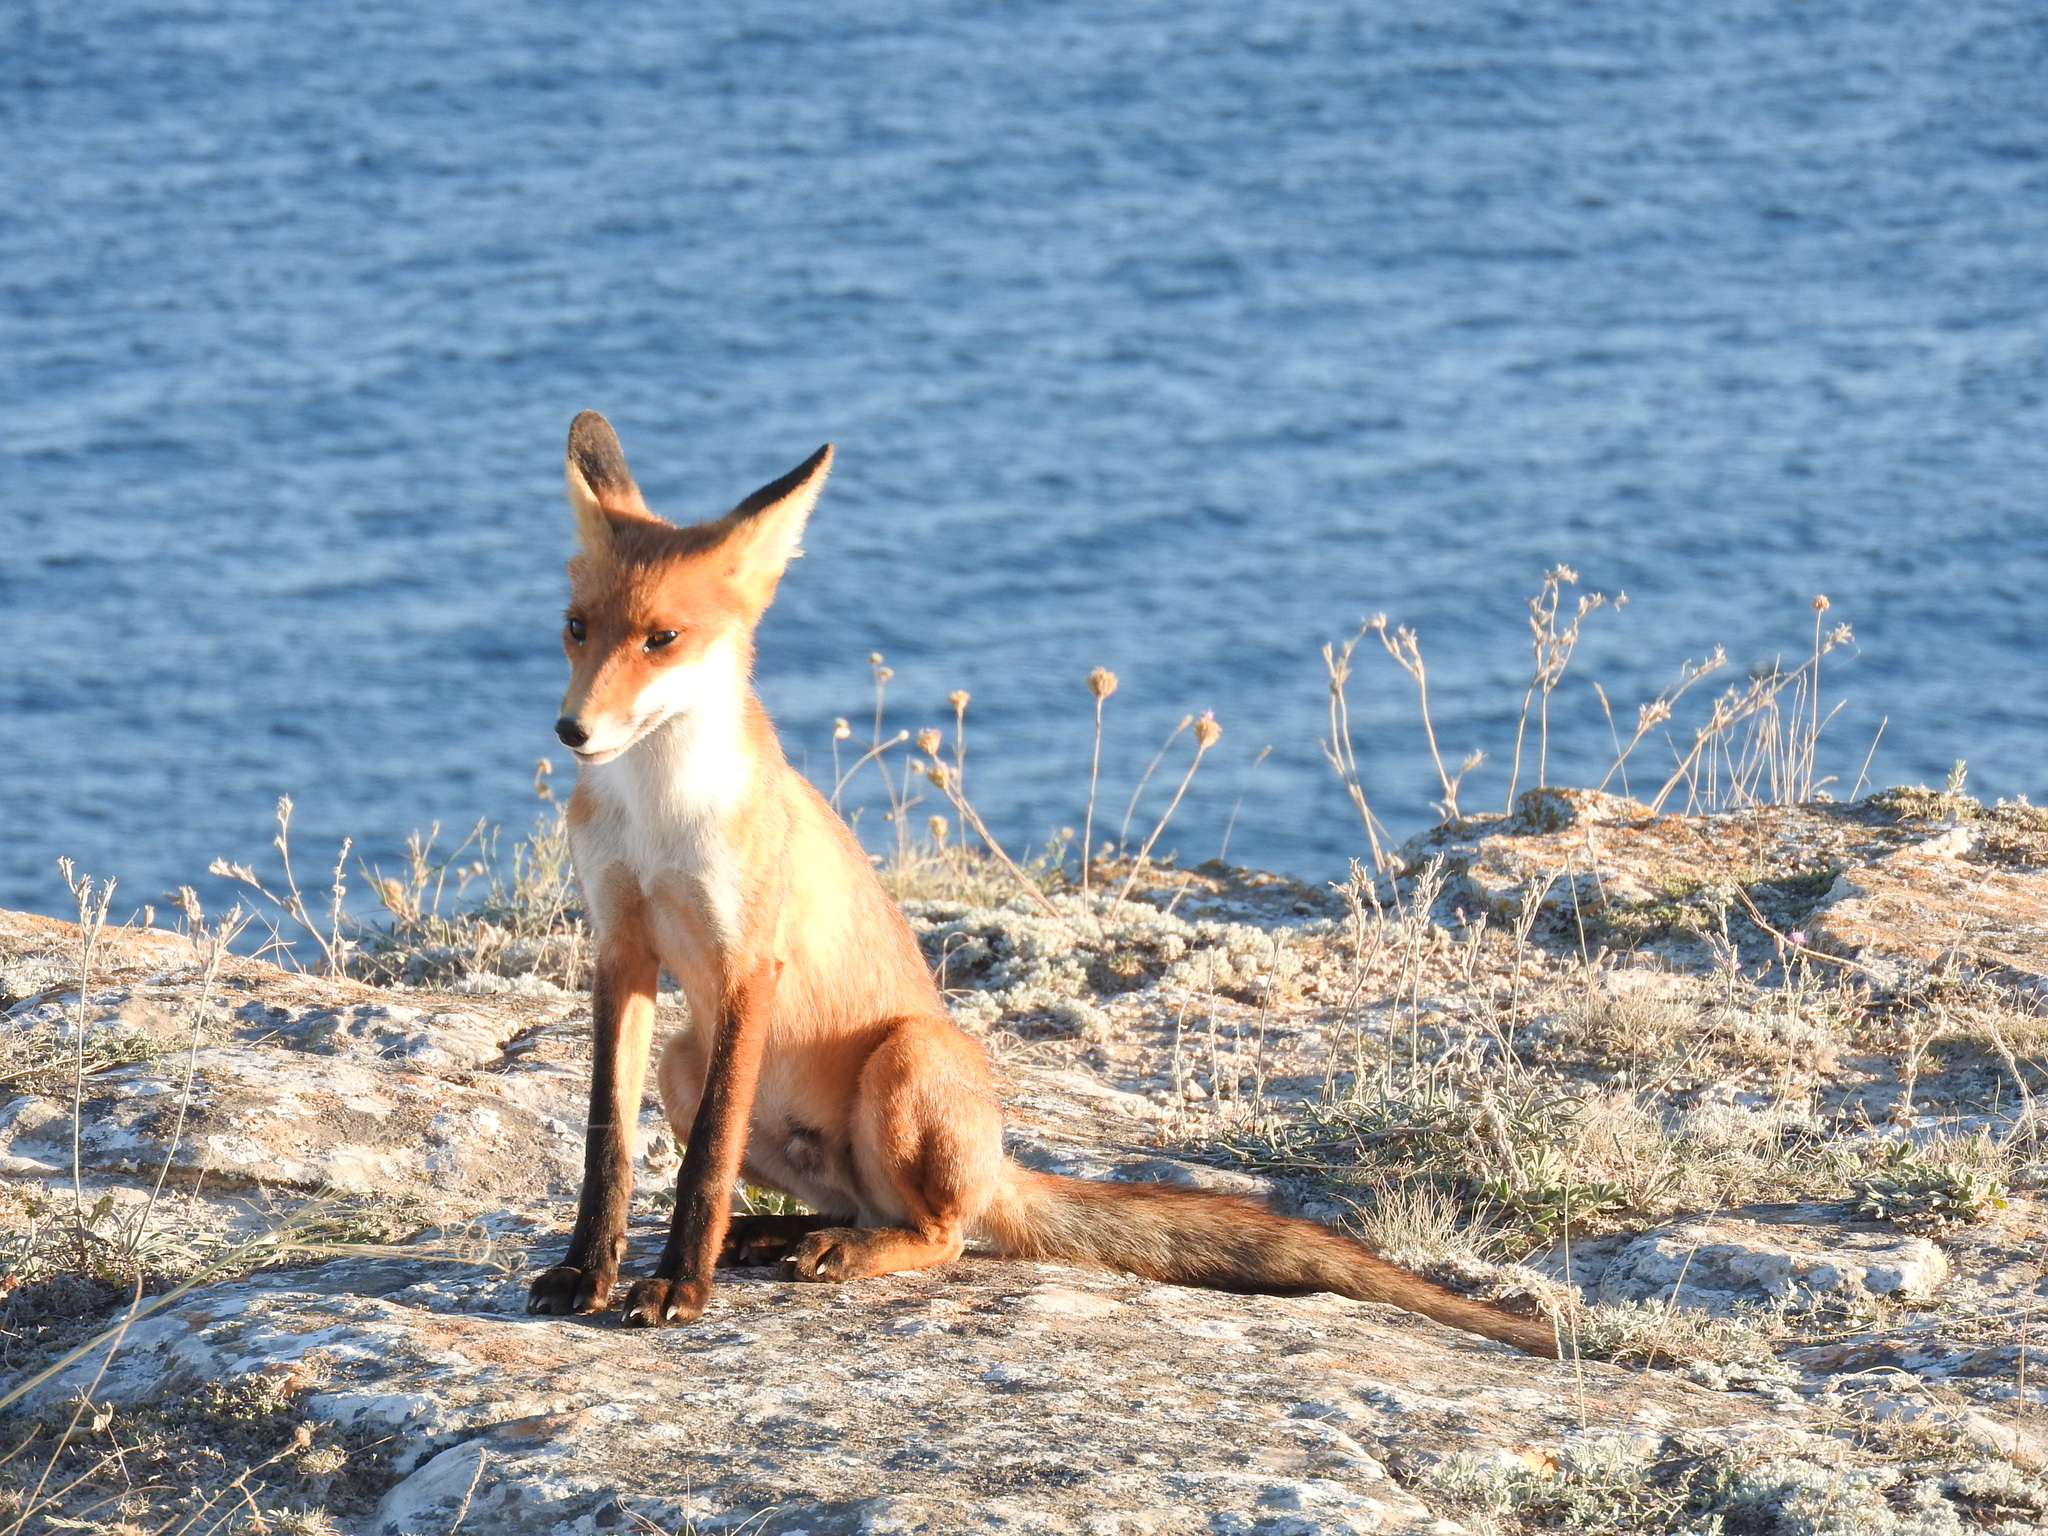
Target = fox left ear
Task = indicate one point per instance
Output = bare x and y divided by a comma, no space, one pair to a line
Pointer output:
766,528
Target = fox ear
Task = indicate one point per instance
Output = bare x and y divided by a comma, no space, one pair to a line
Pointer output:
599,482
767,527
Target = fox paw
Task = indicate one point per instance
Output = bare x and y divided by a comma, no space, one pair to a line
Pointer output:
833,1254
568,1289
765,1239
655,1303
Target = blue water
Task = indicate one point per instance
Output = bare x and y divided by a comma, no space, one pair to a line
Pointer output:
1172,338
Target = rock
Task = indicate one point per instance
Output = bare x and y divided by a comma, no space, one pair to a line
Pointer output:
1936,903
1022,1397
1019,963
1116,1100
1226,1181
1875,884
1581,855
1555,808
1721,1266
26,980
30,938
985,1396
443,1038
1580,1261
254,1117
277,1081
2027,1447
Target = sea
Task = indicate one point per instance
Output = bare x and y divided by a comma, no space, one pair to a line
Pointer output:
1177,339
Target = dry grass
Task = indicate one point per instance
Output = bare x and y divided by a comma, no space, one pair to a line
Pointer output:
505,918
230,1457
1681,1486
225,1456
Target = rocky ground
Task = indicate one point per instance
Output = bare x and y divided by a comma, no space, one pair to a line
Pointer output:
1746,1100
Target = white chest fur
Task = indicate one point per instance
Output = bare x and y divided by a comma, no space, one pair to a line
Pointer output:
661,811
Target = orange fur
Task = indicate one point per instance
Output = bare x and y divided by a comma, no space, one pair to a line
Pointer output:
819,1060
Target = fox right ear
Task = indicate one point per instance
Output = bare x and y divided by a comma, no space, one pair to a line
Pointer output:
600,485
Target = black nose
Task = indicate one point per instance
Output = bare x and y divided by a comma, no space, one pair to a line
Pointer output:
572,734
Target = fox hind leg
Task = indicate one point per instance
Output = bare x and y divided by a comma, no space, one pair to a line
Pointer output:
768,1239
927,1128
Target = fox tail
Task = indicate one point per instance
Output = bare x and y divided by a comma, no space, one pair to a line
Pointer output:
1225,1243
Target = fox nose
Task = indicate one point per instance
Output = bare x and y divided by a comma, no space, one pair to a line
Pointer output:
571,732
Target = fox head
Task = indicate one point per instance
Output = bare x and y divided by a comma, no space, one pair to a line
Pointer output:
661,618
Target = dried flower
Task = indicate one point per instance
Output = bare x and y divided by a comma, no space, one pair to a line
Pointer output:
1820,603
874,658
840,729
928,742
1102,682
1207,730
939,830
936,772
958,699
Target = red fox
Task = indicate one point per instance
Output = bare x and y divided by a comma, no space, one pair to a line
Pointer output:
819,1060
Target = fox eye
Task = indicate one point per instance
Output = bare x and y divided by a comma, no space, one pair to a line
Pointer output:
577,630
660,638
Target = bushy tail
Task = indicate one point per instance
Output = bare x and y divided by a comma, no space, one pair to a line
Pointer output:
1225,1243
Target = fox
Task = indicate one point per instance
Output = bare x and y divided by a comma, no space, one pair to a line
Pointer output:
818,1059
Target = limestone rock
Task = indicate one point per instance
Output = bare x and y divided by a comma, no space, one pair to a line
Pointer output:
1581,854
1937,903
1876,884
2028,1447
1722,1265
441,1038
985,1396
252,1117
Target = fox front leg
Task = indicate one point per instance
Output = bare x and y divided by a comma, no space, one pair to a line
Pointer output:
680,1287
622,1022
